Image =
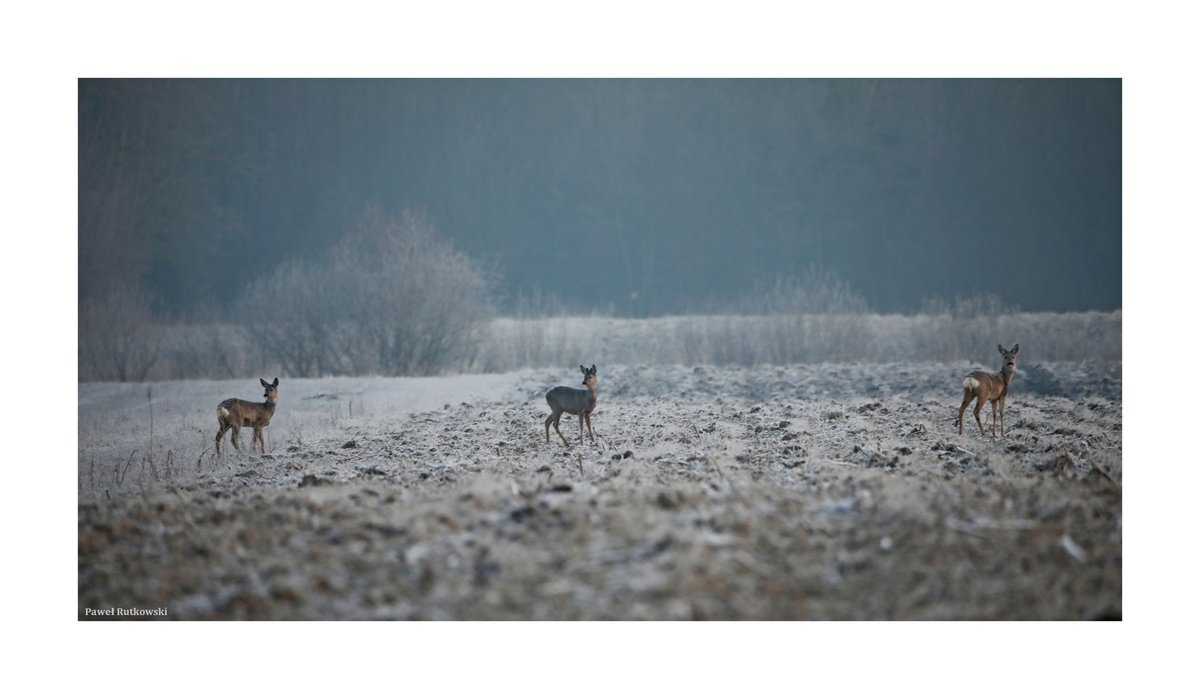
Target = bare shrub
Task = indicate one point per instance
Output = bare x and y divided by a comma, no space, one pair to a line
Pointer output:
209,350
119,335
392,298
122,337
420,303
288,313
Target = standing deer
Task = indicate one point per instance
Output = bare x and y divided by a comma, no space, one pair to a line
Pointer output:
576,401
235,413
987,386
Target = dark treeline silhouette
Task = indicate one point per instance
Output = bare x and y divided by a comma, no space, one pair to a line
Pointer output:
639,197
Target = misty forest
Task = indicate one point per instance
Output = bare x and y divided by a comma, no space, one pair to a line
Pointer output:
769,301
228,227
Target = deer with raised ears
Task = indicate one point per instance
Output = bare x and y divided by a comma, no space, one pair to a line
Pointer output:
235,413
576,401
986,386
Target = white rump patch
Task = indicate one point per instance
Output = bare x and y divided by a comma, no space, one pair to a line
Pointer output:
970,383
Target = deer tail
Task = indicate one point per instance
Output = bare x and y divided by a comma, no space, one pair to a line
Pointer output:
970,383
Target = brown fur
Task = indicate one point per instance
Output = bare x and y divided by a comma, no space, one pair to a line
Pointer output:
235,413
986,386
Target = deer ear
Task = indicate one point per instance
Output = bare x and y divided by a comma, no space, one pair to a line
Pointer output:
1001,348
593,368
1016,348
276,383
582,369
264,383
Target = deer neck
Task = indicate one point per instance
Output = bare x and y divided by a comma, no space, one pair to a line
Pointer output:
269,406
1007,374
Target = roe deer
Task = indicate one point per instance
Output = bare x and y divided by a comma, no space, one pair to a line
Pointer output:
235,413
576,401
987,386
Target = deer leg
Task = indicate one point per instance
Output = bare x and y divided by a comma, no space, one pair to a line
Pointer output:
963,408
258,437
979,409
581,428
233,436
993,418
222,427
558,417
589,424
1002,417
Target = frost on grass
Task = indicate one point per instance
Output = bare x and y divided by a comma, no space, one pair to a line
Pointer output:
838,491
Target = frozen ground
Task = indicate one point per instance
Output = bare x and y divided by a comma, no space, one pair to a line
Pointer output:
836,491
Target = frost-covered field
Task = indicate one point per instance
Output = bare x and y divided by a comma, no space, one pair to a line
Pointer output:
827,491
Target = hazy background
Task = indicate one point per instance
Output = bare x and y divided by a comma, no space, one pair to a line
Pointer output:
402,227
646,196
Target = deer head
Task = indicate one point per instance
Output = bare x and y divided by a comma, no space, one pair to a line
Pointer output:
1010,357
270,390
